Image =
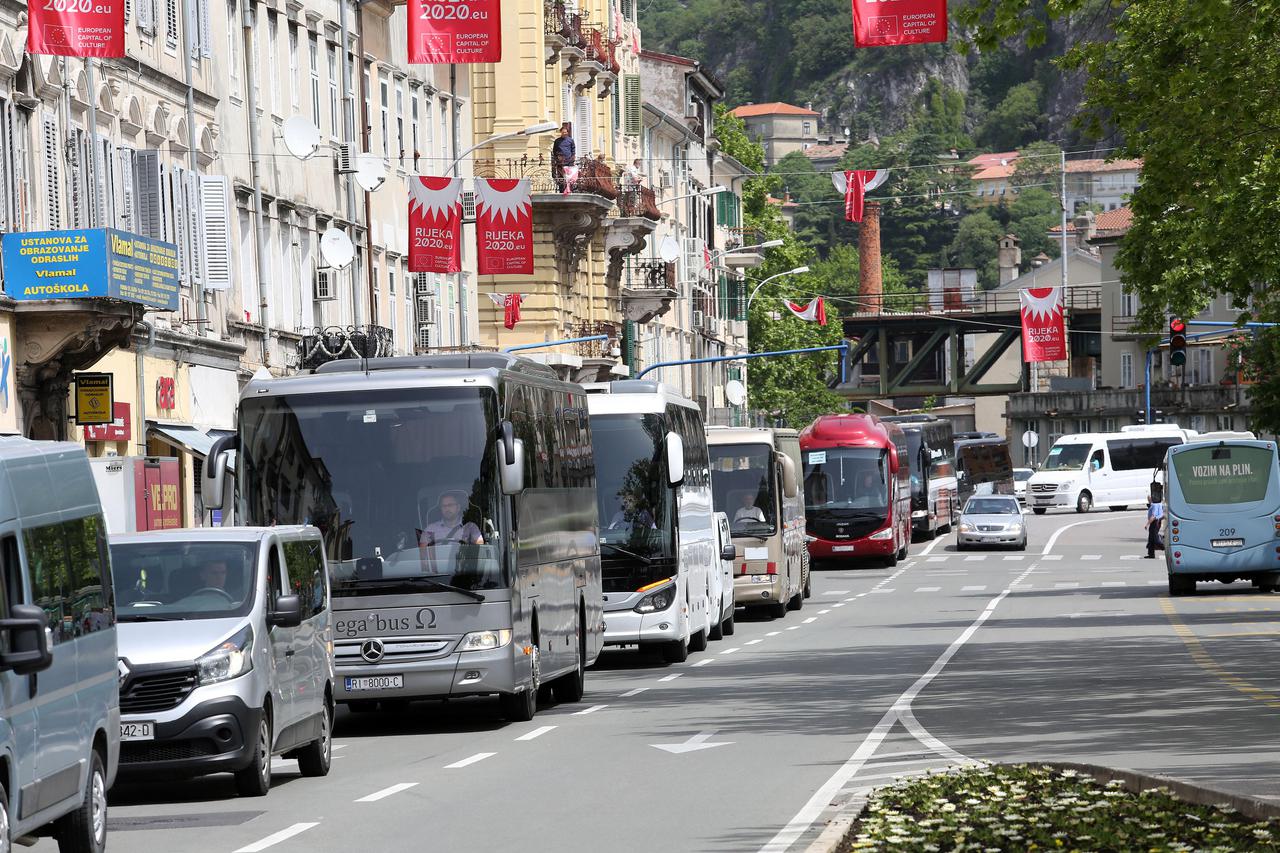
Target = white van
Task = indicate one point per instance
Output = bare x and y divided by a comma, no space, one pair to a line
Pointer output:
722,581
225,652
1112,469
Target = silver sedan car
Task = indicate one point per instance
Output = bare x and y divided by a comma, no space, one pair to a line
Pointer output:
992,520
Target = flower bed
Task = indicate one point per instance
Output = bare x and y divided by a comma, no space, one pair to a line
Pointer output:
1026,807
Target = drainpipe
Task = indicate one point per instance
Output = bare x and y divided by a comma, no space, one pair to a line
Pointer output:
364,145
140,358
453,107
348,133
255,169
197,287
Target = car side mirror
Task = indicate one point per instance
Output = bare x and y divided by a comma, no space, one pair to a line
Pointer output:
213,481
675,459
510,461
287,612
30,643
790,482
729,552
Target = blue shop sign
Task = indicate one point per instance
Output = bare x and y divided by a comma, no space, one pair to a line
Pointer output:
93,262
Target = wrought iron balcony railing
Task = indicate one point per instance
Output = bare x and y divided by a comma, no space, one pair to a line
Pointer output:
329,344
594,177
653,275
595,349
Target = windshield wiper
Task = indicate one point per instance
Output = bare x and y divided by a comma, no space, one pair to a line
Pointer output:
131,617
624,552
416,581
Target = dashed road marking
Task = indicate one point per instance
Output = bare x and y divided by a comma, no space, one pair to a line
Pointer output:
975,558
1156,583
1092,557
586,711
731,651
836,592
1114,583
810,619
542,730
672,677
481,756
793,628
773,633
936,559
883,590
394,789
1014,558
823,612
928,589
702,662
837,604
972,589
636,691
752,642
1050,556
276,838
1066,585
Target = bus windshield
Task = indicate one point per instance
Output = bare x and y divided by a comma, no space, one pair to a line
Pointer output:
742,482
634,500
401,482
1066,457
846,480
1223,475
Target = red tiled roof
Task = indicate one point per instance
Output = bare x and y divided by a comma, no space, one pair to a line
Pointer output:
835,150
989,167
1099,165
668,57
772,109
1111,222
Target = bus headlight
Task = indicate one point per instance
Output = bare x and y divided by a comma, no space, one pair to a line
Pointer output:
483,641
882,535
231,658
1064,487
659,599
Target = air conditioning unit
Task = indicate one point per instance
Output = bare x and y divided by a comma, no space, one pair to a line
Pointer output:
346,158
468,206
422,283
325,285
426,310
424,336
699,318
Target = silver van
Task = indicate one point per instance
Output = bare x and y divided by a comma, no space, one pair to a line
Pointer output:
225,652
59,700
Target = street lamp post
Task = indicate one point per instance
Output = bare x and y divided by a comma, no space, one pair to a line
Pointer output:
796,271
531,130
706,192
767,244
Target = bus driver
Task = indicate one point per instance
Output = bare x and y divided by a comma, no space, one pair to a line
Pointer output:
450,527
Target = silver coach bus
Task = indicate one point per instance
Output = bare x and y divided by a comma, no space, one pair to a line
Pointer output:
456,496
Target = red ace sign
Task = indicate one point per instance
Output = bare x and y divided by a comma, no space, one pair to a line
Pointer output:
1044,331
883,22
435,224
454,31
76,27
504,226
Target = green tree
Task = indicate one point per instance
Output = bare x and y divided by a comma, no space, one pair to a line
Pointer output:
732,133
974,247
1039,165
1016,120
1033,212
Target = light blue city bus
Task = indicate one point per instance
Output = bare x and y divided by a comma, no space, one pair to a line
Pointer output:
1223,513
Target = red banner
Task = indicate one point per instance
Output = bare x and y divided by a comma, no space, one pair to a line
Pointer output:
76,28
454,31
877,23
118,430
435,224
504,226
1044,331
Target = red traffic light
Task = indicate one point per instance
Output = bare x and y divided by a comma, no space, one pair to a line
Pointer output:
1177,326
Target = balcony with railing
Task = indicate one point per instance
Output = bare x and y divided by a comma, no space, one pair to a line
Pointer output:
562,34
321,346
649,290
738,238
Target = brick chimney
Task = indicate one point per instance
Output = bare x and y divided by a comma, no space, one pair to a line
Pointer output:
1008,258
869,274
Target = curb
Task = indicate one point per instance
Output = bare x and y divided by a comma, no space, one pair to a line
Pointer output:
840,830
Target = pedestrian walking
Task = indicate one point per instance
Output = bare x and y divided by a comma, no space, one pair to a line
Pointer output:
1155,520
563,154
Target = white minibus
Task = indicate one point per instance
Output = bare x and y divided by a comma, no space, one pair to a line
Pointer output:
1112,469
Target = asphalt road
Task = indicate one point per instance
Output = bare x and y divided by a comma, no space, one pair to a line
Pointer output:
1071,651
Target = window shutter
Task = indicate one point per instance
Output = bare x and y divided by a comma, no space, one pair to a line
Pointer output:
52,173
147,15
127,205
104,182
205,31
78,173
215,202
128,10
582,126
149,195
632,124
195,225
566,102
171,23
176,180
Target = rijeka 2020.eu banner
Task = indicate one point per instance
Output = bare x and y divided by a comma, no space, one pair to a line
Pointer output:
504,226
1044,330
76,27
435,224
884,22
454,31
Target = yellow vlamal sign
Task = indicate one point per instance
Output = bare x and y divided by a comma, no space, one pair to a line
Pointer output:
94,399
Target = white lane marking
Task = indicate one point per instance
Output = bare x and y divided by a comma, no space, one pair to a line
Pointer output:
1155,583
672,677
773,633
883,590
1091,557
542,730
1053,540
854,597
693,744
823,612
793,628
752,642
479,756
702,662
810,619
338,746
823,796
1066,585
976,558
1050,556
731,651
586,711
942,559
1014,558
276,837
972,588
1114,583
934,544
836,592
1131,556
838,604
386,792
635,692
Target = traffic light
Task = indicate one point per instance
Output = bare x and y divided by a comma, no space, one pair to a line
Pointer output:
1177,342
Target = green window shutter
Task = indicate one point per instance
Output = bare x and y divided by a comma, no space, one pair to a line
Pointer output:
725,294
722,209
740,300
632,124
629,344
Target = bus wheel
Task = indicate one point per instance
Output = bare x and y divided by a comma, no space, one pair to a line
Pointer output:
1181,585
902,552
891,560
1039,510
1084,503
569,688
520,707
676,651
778,609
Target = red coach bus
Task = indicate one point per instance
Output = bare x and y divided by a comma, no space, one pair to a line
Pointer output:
857,488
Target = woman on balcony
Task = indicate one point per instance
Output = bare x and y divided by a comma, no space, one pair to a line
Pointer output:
563,154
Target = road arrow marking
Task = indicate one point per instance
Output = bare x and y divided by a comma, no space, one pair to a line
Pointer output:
693,744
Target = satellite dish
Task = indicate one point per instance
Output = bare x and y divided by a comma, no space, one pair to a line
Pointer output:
301,137
371,172
336,248
735,392
838,181
669,249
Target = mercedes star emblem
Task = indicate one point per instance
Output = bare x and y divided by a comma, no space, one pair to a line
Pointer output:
372,650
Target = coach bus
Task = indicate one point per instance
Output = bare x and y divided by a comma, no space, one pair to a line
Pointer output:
456,496
857,488
755,480
934,484
1222,519
983,467
658,532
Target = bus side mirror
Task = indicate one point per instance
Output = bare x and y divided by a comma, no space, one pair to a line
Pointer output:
213,481
894,461
510,461
675,459
30,643
790,485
